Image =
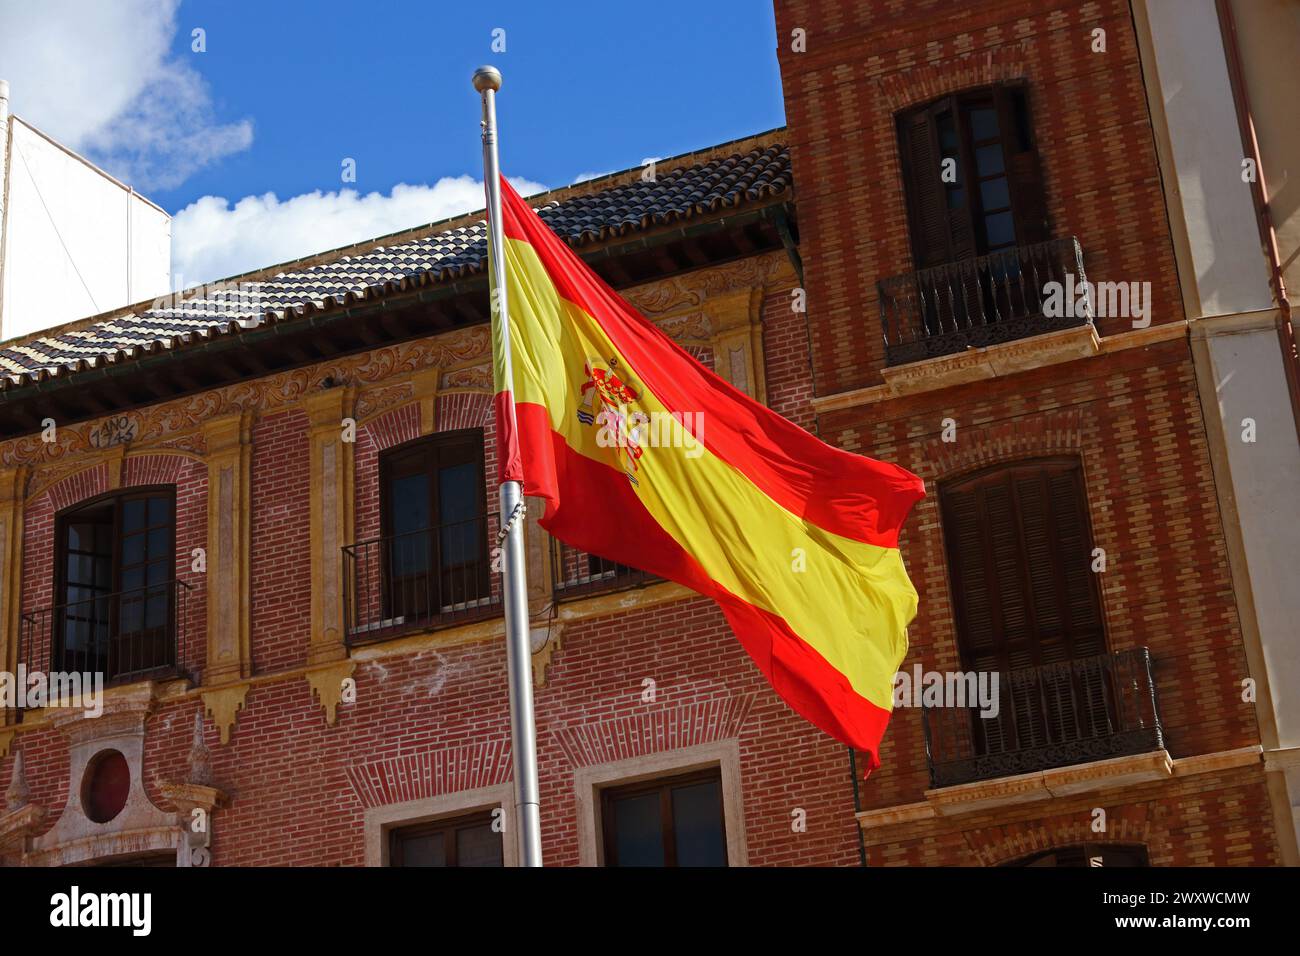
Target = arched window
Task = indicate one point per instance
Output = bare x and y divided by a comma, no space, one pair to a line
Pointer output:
115,580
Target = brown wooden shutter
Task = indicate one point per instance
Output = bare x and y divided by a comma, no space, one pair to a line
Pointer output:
1024,171
925,193
1020,559
1024,595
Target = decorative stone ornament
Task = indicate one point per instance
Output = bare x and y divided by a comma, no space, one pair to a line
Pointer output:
18,795
200,757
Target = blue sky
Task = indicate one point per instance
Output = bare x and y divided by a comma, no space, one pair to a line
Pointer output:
599,86
244,143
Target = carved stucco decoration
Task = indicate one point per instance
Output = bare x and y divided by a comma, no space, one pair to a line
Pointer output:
472,378
157,422
693,328
372,402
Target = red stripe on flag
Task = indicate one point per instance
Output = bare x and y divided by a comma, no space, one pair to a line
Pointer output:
509,462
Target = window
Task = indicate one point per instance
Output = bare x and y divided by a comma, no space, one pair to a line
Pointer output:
994,198
1020,558
1020,554
115,585
463,841
434,514
676,822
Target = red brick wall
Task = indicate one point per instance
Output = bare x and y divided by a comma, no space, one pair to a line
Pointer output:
785,347
280,570
865,61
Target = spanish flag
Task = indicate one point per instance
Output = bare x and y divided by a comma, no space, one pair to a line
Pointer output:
645,457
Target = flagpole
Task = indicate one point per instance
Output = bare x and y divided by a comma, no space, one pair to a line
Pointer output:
523,724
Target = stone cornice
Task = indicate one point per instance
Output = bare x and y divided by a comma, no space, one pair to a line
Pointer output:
1045,785
997,361
153,424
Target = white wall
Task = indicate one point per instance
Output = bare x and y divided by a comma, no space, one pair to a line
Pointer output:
66,239
1250,382
1231,272
1240,370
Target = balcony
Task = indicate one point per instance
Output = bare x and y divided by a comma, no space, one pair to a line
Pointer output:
421,580
1055,715
127,636
978,302
576,573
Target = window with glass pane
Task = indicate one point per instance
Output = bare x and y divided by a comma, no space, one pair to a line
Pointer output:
463,841
971,174
674,822
114,584
433,506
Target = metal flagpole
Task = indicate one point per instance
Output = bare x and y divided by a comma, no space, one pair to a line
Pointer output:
523,725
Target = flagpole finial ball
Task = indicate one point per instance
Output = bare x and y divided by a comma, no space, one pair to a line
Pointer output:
487,78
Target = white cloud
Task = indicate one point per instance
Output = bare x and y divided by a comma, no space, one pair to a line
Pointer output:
98,77
213,239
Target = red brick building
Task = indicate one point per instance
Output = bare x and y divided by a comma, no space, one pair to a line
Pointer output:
268,511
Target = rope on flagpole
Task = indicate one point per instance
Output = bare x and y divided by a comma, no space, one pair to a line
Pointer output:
515,515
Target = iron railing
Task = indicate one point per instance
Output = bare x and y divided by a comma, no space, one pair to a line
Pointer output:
982,301
575,573
1054,715
419,580
128,635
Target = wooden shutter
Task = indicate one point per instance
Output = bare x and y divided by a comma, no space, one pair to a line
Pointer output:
1024,594
926,199
1024,171
1020,558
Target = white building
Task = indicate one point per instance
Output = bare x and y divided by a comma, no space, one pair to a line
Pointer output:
74,242
1222,79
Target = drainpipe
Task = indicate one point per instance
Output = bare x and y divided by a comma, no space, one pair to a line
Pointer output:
1259,194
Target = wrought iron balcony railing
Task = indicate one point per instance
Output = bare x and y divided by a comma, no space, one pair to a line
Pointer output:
982,301
575,573
419,580
126,636
1055,715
